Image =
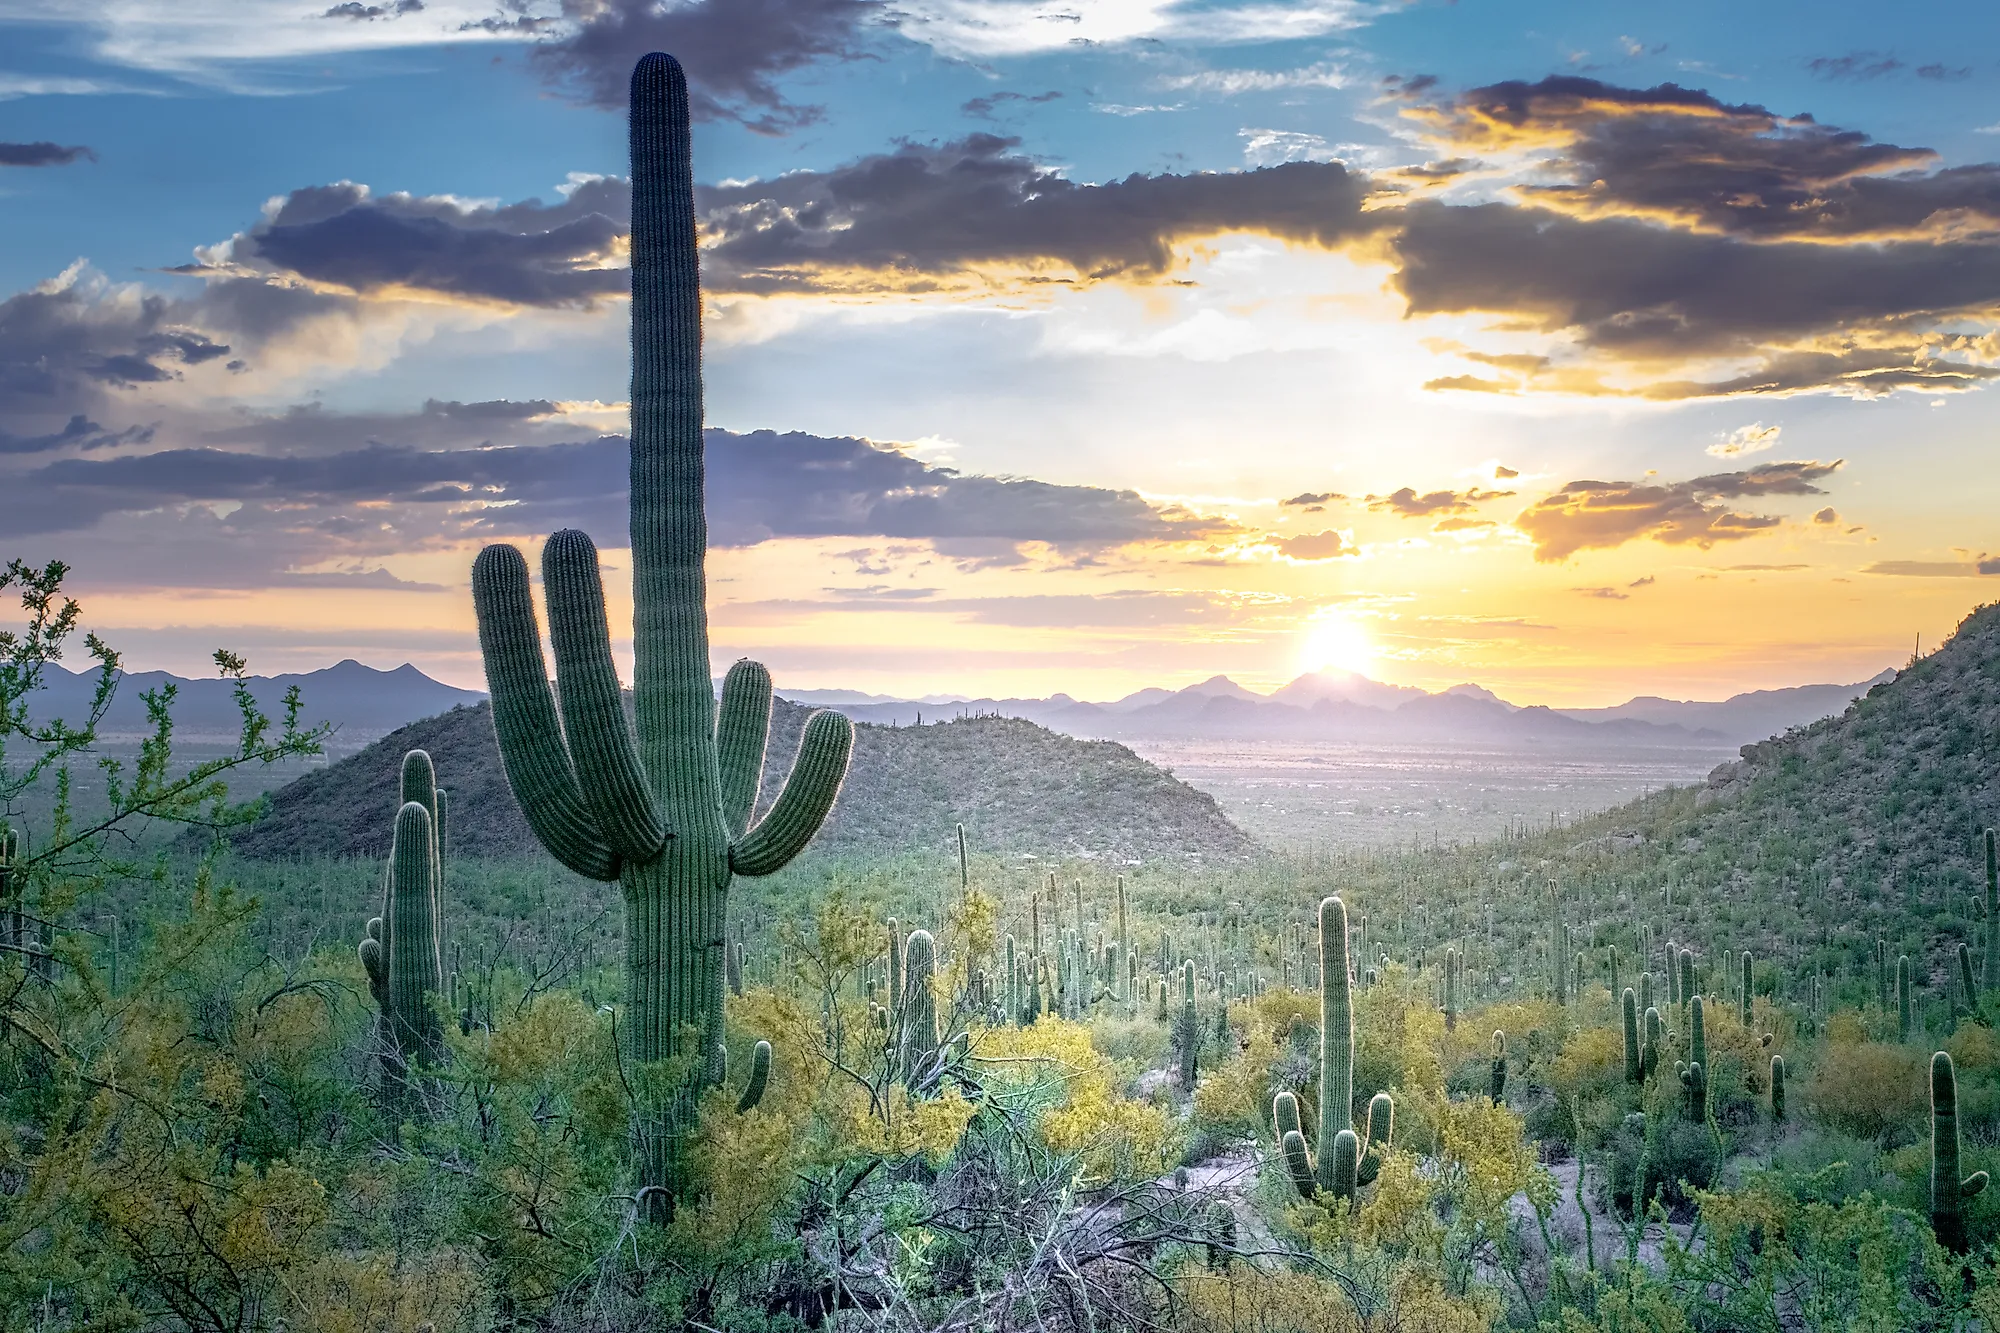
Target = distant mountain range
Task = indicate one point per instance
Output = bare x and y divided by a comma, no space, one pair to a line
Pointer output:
365,704
1344,706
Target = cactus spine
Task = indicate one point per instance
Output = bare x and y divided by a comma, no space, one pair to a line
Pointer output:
1948,1191
1336,1038
669,817
1629,1003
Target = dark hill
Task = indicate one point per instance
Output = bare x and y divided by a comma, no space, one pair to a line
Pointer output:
1019,789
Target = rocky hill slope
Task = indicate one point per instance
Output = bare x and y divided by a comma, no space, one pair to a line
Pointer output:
1019,789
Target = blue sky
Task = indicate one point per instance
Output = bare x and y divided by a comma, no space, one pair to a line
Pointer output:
1685,388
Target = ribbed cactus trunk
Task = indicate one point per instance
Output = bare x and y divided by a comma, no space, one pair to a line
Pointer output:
1188,1029
1558,948
1629,1004
1124,939
919,1004
1496,1080
1948,1191
1905,1002
1778,1089
667,816
1450,990
1336,1038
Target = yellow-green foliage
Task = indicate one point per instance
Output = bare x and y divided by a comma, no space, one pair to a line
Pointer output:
1245,1297
1234,1097
1117,1137
367,1292
903,1126
1869,1088
1591,1064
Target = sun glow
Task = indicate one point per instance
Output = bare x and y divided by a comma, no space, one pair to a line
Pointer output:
1336,643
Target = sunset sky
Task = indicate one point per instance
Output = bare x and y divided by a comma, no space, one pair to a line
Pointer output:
1580,351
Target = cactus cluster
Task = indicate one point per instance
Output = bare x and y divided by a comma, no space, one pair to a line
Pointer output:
667,814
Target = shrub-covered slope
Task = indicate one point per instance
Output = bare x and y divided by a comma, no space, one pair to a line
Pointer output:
1018,788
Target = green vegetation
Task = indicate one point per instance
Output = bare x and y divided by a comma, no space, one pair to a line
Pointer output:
456,1085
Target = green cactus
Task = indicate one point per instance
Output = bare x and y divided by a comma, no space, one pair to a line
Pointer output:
1013,984
1450,990
1558,946
669,817
1131,985
1629,1003
917,1010
1694,1078
1611,968
1298,1162
1748,991
1882,974
1645,990
1340,1170
760,1078
1687,976
1124,935
1285,1114
894,940
1948,1191
1905,999
1187,1031
1497,1077
1656,1037
401,955
1336,1036
1967,983
1992,915
1576,978
1778,1089
1381,1130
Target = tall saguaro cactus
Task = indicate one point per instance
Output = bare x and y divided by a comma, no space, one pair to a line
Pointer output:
1336,1038
667,817
1948,1192
1992,959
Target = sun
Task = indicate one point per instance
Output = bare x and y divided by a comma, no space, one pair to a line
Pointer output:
1335,643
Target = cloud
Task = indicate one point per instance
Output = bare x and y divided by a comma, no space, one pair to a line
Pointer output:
343,236
375,499
1935,569
734,51
1857,66
1826,516
1235,82
1754,438
42,154
977,213
356,12
1113,608
983,108
1326,545
1312,499
1587,515
1406,503
1606,594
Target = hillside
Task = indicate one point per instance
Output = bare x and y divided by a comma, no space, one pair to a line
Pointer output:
1020,790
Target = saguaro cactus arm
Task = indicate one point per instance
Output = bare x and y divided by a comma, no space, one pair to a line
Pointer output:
524,717
803,805
593,712
742,727
760,1077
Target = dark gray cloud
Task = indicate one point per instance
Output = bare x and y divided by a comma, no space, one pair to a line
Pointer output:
79,432
355,11
1680,155
379,499
734,50
984,108
1858,66
1588,515
530,253
930,216
42,154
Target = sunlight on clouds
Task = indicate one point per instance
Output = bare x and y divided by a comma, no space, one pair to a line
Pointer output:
1020,27
1333,641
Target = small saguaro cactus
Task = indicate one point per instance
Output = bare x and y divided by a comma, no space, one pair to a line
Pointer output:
1558,947
917,1011
1187,1030
1749,990
667,817
1992,959
1497,1076
1694,1078
1948,1191
1778,1088
1336,1036
1611,968
1629,1003
1966,982
400,954
1381,1131
1687,975
1645,991
1450,990
895,943
1905,1001
1651,1053
760,1078
1881,974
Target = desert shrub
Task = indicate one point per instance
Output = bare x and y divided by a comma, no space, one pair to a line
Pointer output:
1871,1090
